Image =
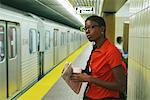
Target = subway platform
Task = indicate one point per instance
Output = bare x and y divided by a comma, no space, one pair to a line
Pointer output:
52,86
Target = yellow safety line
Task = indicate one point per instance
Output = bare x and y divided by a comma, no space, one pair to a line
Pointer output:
42,87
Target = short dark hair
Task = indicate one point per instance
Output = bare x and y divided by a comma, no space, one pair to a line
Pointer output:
119,39
98,19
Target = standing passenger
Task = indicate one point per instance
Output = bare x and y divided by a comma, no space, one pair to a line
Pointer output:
119,44
106,78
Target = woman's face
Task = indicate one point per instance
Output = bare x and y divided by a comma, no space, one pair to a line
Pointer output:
92,30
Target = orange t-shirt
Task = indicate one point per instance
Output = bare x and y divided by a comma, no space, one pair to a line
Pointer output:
102,61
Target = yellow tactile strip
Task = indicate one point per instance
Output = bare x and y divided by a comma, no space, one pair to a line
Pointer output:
37,91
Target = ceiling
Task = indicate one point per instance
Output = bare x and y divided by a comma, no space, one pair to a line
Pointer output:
53,10
124,10
50,9
112,6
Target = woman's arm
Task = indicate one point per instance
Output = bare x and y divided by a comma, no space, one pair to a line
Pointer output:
117,85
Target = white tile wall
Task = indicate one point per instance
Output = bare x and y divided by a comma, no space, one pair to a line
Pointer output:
139,47
119,26
148,21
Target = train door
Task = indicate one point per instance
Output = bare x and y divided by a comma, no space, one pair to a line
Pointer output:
62,46
56,55
9,59
41,47
2,60
48,54
13,57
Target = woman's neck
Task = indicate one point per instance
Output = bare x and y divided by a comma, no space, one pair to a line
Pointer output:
100,42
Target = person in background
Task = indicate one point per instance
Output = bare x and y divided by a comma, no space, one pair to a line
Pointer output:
104,72
119,44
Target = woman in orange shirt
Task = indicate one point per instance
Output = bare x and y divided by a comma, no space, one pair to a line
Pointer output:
106,78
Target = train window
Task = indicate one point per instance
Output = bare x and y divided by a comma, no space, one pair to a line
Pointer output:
38,41
2,54
47,40
77,37
32,41
12,42
50,39
74,37
71,37
80,37
61,39
65,38
55,37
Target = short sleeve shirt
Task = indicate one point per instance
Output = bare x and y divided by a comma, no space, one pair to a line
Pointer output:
103,60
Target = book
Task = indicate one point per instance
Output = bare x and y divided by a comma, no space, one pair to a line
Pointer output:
67,72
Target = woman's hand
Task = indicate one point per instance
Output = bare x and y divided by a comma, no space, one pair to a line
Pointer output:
81,77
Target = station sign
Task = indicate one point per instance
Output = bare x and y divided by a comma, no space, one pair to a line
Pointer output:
85,10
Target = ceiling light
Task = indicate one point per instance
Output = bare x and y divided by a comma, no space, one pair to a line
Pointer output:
66,4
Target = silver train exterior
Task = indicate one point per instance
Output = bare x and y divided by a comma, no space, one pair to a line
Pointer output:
30,47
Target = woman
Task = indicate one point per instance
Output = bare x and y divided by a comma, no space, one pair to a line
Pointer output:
107,77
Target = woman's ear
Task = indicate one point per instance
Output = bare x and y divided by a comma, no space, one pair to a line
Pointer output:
101,33
102,28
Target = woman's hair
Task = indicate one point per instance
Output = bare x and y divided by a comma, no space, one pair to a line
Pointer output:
119,39
97,19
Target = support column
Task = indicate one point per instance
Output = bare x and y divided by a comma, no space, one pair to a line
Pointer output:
110,26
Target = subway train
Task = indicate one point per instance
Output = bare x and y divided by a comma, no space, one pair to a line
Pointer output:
30,47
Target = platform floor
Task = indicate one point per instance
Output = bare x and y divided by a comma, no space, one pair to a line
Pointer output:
61,91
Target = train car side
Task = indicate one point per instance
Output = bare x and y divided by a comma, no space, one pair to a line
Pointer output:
31,47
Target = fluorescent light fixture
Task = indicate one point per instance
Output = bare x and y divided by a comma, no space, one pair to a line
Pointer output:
66,4
100,6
